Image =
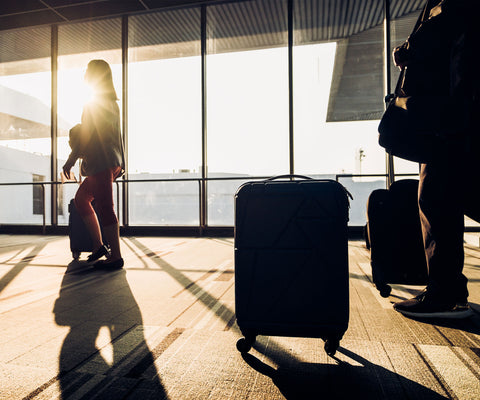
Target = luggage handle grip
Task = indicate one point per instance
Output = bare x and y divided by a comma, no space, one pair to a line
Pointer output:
289,176
308,179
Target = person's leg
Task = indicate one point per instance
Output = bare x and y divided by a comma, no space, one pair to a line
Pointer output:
83,203
112,236
103,193
442,218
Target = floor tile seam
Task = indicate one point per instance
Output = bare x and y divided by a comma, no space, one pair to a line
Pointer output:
16,243
39,285
187,336
395,371
90,387
204,293
467,361
49,293
33,299
436,374
474,340
97,352
41,388
29,258
198,353
210,277
38,294
36,347
365,329
214,308
124,362
218,366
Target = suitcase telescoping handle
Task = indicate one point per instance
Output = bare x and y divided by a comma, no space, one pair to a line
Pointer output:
291,176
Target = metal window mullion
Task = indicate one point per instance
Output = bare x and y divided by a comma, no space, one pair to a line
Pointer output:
125,187
203,187
387,79
53,124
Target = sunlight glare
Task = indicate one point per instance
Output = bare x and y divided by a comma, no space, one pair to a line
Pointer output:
73,94
103,343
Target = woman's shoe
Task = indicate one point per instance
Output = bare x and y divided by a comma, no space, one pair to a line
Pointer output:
110,265
100,252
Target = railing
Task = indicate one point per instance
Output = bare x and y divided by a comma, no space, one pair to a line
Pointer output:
200,181
338,176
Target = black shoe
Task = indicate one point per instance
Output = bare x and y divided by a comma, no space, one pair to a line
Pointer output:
110,265
427,306
100,252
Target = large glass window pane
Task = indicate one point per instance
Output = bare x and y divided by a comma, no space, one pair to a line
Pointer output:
77,45
338,93
165,116
165,203
247,97
25,115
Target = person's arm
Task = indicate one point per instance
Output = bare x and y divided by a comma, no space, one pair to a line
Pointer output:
81,139
75,153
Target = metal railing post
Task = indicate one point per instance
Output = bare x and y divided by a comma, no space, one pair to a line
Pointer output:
44,209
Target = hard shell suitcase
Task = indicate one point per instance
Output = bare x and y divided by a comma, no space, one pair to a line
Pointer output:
395,237
291,260
80,240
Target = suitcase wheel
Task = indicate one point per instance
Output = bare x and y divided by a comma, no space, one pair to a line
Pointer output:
245,344
384,290
75,254
331,346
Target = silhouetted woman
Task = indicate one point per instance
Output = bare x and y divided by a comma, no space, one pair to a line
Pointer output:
101,150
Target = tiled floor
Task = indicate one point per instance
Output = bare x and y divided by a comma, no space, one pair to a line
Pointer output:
164,327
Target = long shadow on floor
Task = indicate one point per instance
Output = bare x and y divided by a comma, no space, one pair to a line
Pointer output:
300,380
99,308
20,266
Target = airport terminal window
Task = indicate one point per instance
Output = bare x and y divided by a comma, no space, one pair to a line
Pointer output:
247,97
25,115
338,94
164,116
77,45
337,64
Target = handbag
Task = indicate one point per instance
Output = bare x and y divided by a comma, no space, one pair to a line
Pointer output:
421,128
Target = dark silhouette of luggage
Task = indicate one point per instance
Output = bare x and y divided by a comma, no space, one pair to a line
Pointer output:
291,260
80,239
395,237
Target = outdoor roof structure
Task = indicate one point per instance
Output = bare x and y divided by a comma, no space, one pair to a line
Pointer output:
356,26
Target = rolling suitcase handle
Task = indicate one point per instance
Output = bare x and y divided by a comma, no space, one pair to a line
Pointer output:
291,176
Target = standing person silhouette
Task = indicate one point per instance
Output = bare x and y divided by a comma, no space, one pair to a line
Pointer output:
441,53
101,149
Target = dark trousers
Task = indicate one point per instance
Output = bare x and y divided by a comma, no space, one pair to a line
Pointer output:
447,192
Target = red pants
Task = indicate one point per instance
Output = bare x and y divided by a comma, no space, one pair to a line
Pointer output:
98,187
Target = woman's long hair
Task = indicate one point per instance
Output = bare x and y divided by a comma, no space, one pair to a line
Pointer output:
99,76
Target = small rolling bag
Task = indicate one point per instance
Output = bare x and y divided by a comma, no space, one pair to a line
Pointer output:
291,260
395,236
80,240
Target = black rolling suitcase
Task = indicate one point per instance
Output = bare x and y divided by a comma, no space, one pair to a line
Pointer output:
395,237
80,240
291,260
